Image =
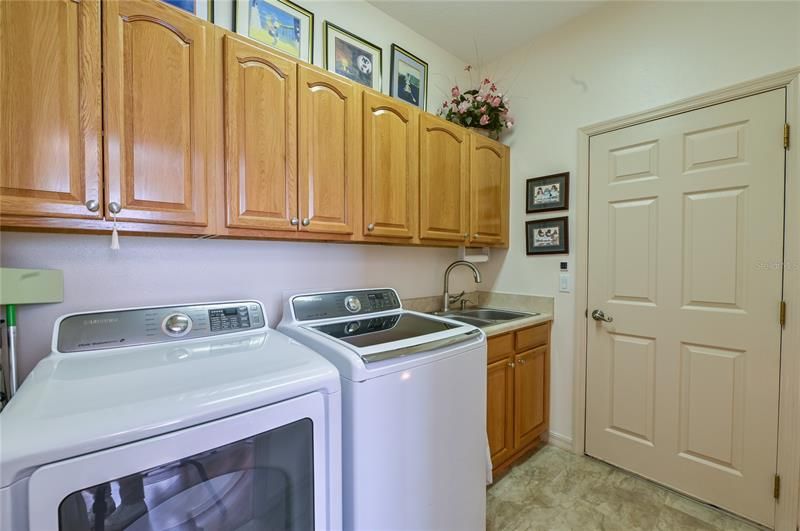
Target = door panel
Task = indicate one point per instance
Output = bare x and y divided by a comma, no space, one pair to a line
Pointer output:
489,175
443,180
500,409
391,141
682,387
260,129
50,108
329,153
157,69
530,395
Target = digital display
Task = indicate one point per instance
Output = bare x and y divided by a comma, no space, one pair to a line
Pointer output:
230,318
229,311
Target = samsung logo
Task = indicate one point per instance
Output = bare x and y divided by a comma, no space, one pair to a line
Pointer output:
106,320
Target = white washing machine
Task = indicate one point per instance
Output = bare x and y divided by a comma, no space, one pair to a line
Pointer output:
413,409
173,418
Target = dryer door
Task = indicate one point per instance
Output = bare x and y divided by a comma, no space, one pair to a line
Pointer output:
264,469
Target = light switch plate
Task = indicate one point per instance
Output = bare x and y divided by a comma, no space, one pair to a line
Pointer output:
563,283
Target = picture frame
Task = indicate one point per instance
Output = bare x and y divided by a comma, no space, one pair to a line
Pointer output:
352,57
408,78
199,8
279,24
547,194
547,236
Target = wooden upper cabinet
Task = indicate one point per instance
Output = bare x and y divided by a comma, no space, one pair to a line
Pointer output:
443,180
157,66
50,150
260,118
489,176
329,151
391,143
531,395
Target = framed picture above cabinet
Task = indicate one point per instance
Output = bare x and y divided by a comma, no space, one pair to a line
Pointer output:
352,57
279,24
409,79
547,194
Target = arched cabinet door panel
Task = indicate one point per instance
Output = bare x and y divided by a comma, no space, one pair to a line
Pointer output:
489,176
391,140
443,180
158,73
50,150
329,148
260,119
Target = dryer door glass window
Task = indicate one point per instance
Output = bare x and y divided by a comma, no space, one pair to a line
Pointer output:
264,482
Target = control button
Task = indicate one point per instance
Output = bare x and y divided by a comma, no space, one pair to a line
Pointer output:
352,304
351,328
177,325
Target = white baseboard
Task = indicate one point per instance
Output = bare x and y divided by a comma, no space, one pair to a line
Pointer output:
560,441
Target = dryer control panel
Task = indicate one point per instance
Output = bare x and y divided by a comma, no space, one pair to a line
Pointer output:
144,326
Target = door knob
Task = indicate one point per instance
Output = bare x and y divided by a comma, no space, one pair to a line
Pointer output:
598,315
294,222
510,364
114,207
306,222
371,227
92,205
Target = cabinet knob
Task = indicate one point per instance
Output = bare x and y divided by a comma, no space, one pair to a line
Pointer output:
294,222
306,222
511,364
371,227
114,207
476,235
521,361
466,235
92,205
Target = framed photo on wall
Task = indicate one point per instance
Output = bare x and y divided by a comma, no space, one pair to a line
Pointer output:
198,8
547,236
548,193
279,24
409,78
352,57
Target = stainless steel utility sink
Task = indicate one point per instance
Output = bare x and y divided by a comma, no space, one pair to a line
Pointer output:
484,317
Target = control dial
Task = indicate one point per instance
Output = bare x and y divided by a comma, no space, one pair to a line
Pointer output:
352,304
177,325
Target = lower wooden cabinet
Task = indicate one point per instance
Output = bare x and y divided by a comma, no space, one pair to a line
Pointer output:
518,393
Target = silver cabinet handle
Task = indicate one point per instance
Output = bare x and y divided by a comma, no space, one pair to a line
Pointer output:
511,364
114,207
306,222
92,205
476,235
466,235
294,222
521,361
598,315
371,227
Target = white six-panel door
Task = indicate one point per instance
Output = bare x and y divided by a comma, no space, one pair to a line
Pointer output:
685,218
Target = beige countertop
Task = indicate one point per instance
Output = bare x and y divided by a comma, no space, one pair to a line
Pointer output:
543,306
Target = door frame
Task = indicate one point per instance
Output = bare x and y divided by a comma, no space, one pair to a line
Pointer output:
788,465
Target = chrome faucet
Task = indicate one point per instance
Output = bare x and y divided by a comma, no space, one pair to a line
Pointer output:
446,294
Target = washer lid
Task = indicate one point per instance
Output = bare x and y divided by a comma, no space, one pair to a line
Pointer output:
73,404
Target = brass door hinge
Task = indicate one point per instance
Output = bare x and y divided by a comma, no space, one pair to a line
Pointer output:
782,313
785,136
777,487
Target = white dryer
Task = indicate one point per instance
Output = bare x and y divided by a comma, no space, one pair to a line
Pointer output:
413,409
173,418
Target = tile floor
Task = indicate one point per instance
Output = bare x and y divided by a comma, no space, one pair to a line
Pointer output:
556,490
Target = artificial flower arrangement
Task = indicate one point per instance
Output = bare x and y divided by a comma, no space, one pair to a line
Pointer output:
480,108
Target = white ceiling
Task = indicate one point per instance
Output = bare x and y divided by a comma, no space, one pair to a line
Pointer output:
492,27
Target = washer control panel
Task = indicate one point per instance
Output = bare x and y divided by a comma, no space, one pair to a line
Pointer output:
124,328
344,303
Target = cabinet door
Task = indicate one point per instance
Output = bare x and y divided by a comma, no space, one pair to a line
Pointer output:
443,180
489,176
329,153
50,108
500,410
391,142
157,71
531,395
260,131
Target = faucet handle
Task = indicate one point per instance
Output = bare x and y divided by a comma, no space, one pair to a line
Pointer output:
455,298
